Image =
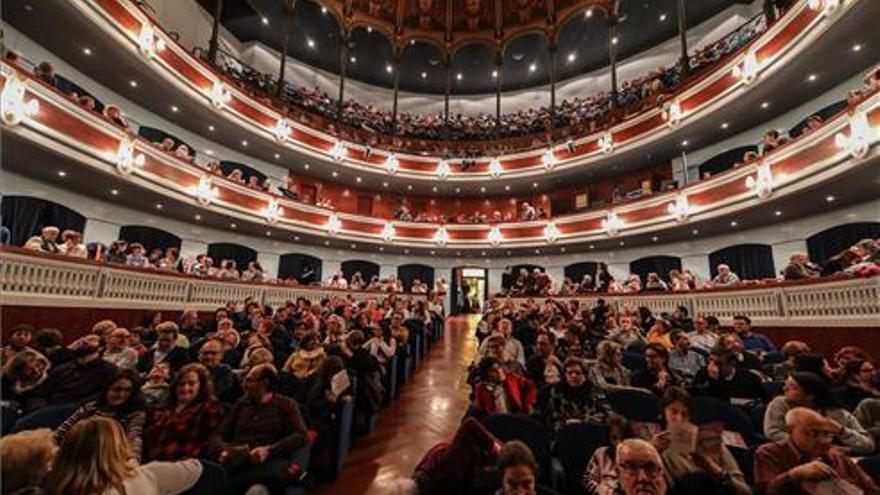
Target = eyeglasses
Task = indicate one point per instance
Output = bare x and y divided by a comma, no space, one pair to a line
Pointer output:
632,468
818,433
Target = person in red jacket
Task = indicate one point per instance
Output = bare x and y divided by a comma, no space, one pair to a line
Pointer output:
502,392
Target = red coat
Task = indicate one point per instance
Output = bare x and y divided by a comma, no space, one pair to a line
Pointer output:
521,395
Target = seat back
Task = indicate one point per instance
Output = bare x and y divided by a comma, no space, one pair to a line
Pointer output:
712,410
635,404
343,445
507,427
575,444
633,361
48,417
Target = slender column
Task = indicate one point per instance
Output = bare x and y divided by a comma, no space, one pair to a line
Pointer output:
551,50
286,24
396,92
612,55
682,34
448,90
343,63
214,44
499,61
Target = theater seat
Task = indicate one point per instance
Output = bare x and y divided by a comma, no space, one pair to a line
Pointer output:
48,417
711,410
575,444
343,444
301,456
871,465
507,427
633,361
635,404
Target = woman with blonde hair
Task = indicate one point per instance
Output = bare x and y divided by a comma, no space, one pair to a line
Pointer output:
26,459
608,372
94,459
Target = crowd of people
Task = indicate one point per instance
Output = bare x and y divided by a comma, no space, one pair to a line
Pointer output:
862,259
197,403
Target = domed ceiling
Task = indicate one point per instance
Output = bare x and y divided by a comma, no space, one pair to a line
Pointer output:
424,34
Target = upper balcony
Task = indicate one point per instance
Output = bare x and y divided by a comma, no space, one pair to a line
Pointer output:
201,98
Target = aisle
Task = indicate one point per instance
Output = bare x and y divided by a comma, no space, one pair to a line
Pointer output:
429,410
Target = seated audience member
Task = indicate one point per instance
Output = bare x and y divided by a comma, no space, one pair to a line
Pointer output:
751,340
187,427
49,343
95,458
744,358
710,467
608,371
137,256
513,348
46,242
799,267
640,469
495,347
260,433
118,352
24,380
517,469
156,391
114,115
790,352
499,391
116,253
27,457
462,465
308,359
680,318
704,337
656,376
71,244
805,457
19,340
661,333
868,414
121,401
654,284
570,400
807,390
226,385
165,350
684,361
600,477
190,327
381,345
82,379
857,383
723,378
628,334
725,277
544,368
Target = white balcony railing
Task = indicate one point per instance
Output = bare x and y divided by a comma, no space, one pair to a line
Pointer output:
40,280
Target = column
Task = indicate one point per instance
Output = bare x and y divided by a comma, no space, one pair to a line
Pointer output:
214,43
190,248
396,69
782,250
447,60
682,33
552,52
612,56
499,60
270,263
100,231
343,63
328,268
285,39
494,279
698,264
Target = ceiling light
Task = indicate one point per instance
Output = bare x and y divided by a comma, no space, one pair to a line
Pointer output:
857,47
778,213
765,104
158,206
358,179
533,67
233,226
458,76
244,143
62,173
174,108
495,74
592,246
352,59
811,77
265,21
310,42
457,190
198,217
114,192
409,187
588,13
434,188
388,68
622,243
323,10
133,83
655,238
507,187
384,184
482,189
685,142
725,125
432,253
614,40
571,57
830,198
369,29
277,155
424,75
211,128
695,232
335,174
296,238
412,42
87,51
268,233
662,17
535,185
326,243
733,223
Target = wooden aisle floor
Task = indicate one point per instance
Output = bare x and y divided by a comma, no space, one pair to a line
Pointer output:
429,410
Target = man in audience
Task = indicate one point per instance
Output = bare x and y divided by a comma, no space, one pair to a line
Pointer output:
681,319
656,376
745,359
640,468
83,378
544,367
19,340
725,277
118,351
751,340
806,463
165,350
684,361
723,379
46,242
260,433
48,342
703,337
226,384
518,469
799,267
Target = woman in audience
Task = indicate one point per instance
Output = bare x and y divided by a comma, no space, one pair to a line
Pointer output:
381,345
804,389
498,391
600,477
858,382
95,459
570,400
307,360
171,262
117,252
695,458
790,351
114,115
23,379
608,371
121,401
136,257
27,457
186,428
72,244
253,273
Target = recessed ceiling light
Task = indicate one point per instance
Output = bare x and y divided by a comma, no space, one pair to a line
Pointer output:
354,246
482,188
507,187
778,213
381,248
265,21
434,188
323,10
483,253
62,173
592,246
277,155
614,40
432,253
233,226
369,29
572,56
458,76
765,104
174,108
244,143
406,251
695,232
296,238
725,125
562,250
424,75
358,179
335,174
198,217
685,142
158,206
857,47
87,51
211,128
209,152
655,238
812,77
326,243
830,198
384,184
495,74
306,166
133,83
537,251
409,187
533,67
388,68
114,192
310,42
734,223
662,17
457,189
535,185
268,233
588,13
412,42
352,59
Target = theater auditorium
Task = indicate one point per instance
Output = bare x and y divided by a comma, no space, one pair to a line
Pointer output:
440,247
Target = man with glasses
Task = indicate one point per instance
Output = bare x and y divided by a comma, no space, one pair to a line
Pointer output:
805,460
640,469
226,384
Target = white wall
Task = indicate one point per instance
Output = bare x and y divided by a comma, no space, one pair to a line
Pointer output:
194,25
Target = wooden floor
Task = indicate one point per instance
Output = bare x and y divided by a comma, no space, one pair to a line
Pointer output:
429,410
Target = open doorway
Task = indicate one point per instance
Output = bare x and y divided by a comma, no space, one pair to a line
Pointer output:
470,289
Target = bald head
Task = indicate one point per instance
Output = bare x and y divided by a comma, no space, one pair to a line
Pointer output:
640,468
810,432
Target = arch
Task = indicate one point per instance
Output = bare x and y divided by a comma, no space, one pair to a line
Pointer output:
418,58
155,135
25,216
587,37
412,271
304,268
825,114
725,160
150,237
241,255
227,166
823,245
368,269
475,61
372,52
520,54
659,264
595,269
749,261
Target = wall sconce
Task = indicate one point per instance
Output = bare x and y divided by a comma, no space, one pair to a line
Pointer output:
281,130
495,168
126,158
548,159
606,143
441,236
672,113
13,106
443,170
389,232
338,151
612,224
148,42
551,233
392,164
680,209
747,71
861,136
495,236
272,212
205,192
333,224
220,96
762,182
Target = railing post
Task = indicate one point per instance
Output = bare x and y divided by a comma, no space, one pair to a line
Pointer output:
99,290
781,303
187,300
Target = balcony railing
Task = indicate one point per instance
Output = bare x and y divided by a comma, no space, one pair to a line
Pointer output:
33,279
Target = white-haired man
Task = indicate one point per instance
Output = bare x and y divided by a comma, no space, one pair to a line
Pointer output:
46,242
640,469
799,267
725,277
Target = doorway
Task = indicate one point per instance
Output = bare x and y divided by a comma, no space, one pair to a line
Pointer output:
470,289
